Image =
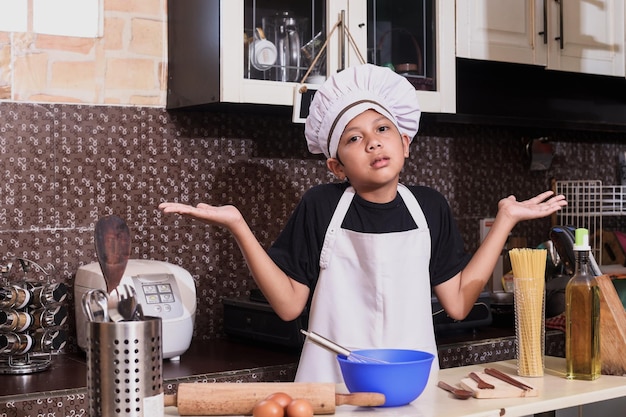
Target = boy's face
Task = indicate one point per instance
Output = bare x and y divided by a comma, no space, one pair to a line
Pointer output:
371,152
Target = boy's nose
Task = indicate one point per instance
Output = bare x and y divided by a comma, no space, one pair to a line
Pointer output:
373,144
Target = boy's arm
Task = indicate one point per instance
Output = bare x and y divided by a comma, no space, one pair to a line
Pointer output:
286,296
458,294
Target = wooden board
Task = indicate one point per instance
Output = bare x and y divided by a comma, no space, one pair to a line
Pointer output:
612,328
501,389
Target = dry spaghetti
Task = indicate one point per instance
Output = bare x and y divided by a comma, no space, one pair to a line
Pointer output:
529,267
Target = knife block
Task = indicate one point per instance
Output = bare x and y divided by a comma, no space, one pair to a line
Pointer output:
612,328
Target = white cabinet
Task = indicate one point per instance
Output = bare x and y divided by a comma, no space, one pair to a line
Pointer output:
208,50
574,35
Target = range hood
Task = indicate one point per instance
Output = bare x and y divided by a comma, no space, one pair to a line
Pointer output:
499,93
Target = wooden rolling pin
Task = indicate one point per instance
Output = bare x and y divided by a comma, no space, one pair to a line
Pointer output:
221,399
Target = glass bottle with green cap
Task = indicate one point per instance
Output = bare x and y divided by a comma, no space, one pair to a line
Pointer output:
582,314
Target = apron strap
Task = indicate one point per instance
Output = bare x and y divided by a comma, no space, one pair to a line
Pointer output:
335,224
413,206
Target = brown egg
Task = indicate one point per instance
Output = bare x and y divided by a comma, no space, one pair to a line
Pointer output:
281,398
300,408
268,408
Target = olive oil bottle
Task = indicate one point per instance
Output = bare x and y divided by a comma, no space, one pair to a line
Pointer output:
582,316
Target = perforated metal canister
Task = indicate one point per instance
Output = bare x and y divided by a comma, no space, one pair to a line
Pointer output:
124,368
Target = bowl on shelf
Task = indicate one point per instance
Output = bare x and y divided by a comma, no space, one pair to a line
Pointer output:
402,377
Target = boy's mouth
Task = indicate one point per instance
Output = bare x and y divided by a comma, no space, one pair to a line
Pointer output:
380,162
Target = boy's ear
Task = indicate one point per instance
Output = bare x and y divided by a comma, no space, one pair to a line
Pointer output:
336,168
406,141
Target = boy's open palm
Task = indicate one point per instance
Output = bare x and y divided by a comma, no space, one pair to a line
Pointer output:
539,206
226,216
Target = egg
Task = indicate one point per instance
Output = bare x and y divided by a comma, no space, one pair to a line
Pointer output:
300,408
281,398
268,408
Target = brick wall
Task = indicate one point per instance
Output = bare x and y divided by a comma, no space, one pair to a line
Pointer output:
126,66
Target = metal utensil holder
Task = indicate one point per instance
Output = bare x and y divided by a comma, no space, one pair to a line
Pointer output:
124,368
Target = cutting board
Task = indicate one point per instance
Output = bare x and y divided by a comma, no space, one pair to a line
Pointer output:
612,328
501,389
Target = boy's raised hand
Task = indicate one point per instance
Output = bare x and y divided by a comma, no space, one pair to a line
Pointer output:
542,205
225,216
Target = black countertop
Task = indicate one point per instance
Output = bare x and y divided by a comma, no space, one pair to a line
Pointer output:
69,371
456,348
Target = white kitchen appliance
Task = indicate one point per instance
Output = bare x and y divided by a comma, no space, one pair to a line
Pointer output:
164,290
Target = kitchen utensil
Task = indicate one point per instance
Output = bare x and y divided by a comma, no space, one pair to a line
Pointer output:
481,383
402,379
340,350
95,307
127,305
112,241
508,379
500,389
283,29
459,393
138,313
112,306
262,52
194,399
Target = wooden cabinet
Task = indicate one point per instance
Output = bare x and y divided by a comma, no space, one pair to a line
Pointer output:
574,35
209,52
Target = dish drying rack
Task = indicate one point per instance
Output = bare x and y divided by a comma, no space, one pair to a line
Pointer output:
587,202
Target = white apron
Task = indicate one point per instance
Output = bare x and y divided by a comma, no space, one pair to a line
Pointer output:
373,291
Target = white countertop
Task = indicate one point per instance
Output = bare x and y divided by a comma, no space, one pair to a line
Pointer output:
555,392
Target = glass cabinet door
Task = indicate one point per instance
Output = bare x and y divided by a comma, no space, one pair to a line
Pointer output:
401,36
283,38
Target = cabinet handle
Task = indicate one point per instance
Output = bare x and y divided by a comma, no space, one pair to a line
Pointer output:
561,37
544,32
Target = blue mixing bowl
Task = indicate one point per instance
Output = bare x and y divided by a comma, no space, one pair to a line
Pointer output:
402,380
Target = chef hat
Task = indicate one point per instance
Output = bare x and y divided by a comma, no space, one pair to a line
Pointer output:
349,93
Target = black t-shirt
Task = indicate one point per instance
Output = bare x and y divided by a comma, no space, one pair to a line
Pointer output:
298,247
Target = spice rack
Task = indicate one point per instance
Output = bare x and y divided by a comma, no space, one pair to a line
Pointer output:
32,315
587,202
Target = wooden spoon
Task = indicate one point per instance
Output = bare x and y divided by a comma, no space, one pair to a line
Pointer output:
112,240
459,393
482,384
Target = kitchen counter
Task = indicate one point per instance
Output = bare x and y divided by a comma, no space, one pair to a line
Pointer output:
555,392
61,389
217,357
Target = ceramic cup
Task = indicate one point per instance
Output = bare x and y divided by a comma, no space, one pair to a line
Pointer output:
262,52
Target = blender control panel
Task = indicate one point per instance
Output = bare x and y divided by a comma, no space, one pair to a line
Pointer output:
159,295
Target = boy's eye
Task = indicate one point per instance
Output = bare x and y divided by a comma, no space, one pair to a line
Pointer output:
353,138
383,128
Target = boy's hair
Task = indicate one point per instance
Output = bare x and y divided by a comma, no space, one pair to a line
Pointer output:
349,93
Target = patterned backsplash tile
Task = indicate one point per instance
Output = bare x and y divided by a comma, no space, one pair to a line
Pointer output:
64,166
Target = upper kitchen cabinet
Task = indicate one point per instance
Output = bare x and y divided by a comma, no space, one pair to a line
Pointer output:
259,51
575,36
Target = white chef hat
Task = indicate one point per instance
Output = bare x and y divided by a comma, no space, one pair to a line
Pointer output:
349,93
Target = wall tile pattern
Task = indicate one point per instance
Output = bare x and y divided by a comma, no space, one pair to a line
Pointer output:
62,167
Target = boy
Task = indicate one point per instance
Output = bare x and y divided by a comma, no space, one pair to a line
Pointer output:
366,252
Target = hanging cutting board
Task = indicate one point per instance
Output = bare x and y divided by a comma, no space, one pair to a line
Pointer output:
500,389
